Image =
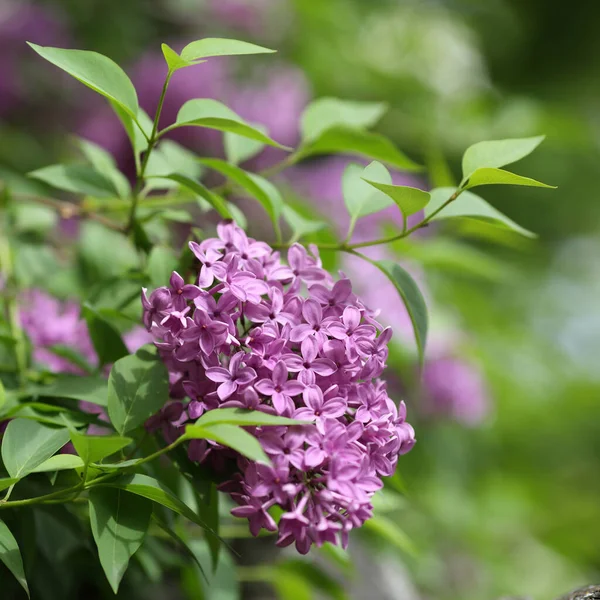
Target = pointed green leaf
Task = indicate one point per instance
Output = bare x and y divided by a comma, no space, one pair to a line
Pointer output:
389,531
325,113
105,164
220,47
106,339
206,112
412,298
78,179
231,436
59,462
10,555
469,205
26,444
258,187
357,142
73,356
173,60
359,196
119,523
92,448
138,386
239,416
150,488
491,176
409,200
213,199
96,71
91,389
498,153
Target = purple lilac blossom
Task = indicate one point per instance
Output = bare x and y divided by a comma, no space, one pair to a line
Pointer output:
244,15
289,340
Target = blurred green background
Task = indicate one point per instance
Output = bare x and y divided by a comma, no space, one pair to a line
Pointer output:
511,505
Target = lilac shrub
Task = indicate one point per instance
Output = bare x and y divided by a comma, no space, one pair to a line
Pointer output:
285,339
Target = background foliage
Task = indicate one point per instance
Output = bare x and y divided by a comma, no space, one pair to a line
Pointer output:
510,505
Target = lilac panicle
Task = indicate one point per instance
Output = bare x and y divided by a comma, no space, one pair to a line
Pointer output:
285,338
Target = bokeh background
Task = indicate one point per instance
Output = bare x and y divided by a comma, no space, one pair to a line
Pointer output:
502,492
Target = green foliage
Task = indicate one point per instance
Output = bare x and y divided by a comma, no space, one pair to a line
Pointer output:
208,47
10,555
93,448
75,387
408,199
97,72
239,416
490,176
327,113
299,225
497,153
104,163
161,263
106,338
119,523
239,149
412,298
27,444
78,179
359,196
205,112
229,435
137,387
59,462
471,206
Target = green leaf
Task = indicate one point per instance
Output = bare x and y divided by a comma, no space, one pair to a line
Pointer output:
239,416
239,148
59,462
161,263
213,199
325,113
491,176
150,488
91,389
92,448
6,482
119,523
170,157
318,578
33,217
258,187
498,153
138,387
10,555
409,200
220,47
97,72
231,436
357,142
105,164
138,131
469,205
299,225
2,395
205,112
105,337
412,298
238,216
78,179
27,444
173,60
359,196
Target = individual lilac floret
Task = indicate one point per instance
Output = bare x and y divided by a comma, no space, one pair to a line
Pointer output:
251,331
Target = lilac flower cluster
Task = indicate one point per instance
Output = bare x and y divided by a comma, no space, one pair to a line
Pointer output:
286,339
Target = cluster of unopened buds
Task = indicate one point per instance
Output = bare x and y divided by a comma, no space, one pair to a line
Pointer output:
257,333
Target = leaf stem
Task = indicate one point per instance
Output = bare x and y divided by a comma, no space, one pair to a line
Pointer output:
41,499
135,197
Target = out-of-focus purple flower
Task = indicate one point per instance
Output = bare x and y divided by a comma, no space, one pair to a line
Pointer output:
245,15
49,322
325,472
455,388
